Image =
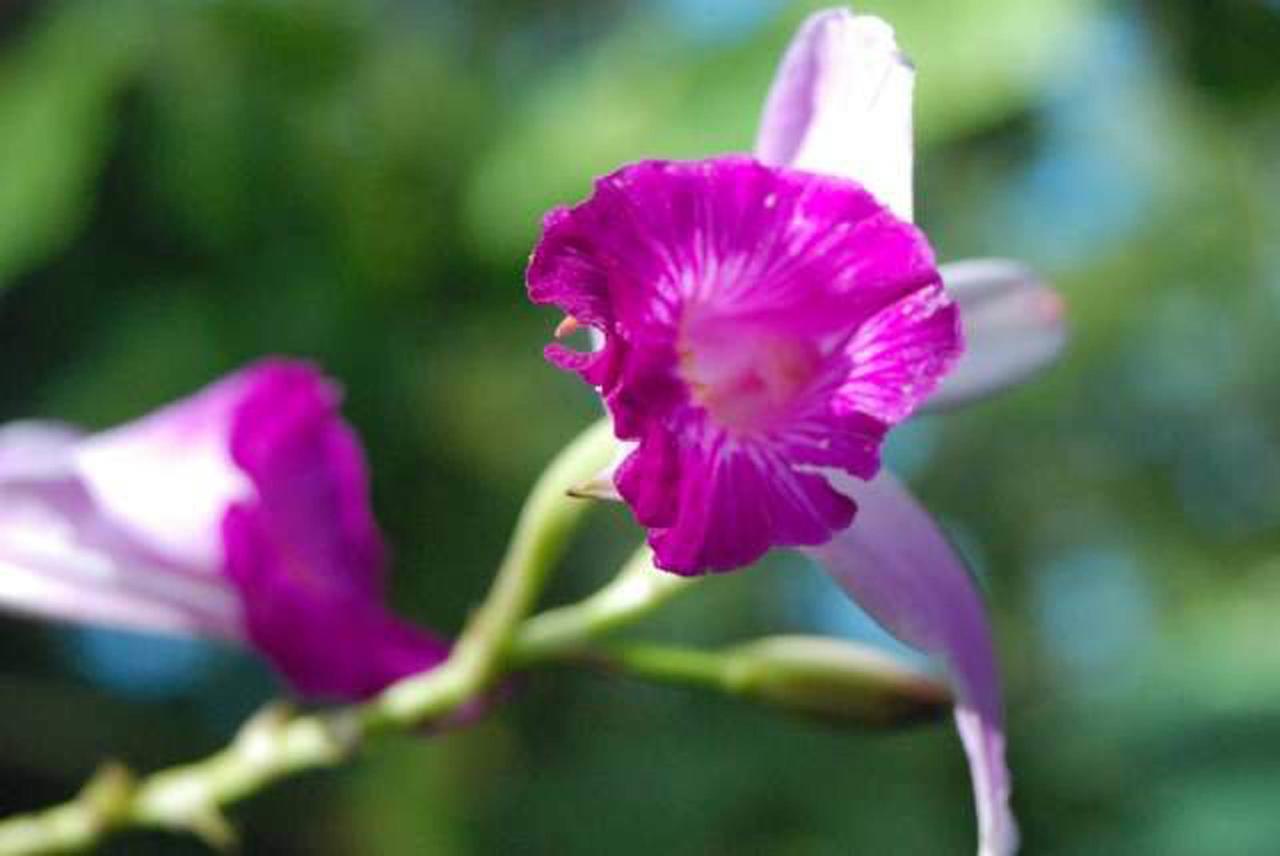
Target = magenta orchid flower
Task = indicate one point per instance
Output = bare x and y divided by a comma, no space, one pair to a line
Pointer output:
764,321
238,514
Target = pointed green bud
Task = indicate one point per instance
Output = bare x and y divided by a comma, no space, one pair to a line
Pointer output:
834,680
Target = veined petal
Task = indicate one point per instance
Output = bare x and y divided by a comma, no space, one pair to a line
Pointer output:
1014,326
895,359
758,323
897,565
841,105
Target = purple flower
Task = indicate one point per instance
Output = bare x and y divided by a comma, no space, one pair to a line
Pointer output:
761,326
240,513
763,323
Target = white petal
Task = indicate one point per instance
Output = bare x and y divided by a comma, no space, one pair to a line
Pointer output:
1014,326
60,559
168,478
895,562
841,105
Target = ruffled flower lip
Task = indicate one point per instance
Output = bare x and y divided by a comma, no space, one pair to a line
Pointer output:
761,326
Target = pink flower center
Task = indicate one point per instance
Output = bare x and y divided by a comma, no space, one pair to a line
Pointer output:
743,375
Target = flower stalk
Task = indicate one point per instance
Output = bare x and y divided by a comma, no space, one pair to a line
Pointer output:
278,743
638,590
542,532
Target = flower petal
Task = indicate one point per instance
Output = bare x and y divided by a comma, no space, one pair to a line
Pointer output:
60,558
37,450
758,323
241,512
327,640
841,104
305,550
1014,326
168,477
714,504
897,565
728,234
900,356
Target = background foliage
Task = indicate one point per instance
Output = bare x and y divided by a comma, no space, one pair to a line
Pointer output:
187,185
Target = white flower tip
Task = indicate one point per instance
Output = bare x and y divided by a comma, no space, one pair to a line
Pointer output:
868,33
841,105
1049,308
839,34
600,487
993,282
1015,325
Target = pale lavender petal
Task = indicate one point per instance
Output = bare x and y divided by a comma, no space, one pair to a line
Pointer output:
168,478
841,105
1014,327
37,450
61,559
895,562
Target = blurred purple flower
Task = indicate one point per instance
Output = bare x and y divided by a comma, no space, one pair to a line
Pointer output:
761,325
240,513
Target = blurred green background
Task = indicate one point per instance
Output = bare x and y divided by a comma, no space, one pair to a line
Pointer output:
185,186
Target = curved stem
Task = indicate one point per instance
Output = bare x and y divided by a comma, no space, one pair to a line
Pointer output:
637,591
669,664
546,521
816,677
274,746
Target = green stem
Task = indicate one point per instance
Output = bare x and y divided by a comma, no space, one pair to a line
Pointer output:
665,664
274,746
637,591
541,535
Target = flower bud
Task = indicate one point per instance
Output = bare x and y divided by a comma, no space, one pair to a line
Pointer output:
836,681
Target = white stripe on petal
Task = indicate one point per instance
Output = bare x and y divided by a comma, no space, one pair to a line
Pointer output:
1014,326
840,104
895,562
